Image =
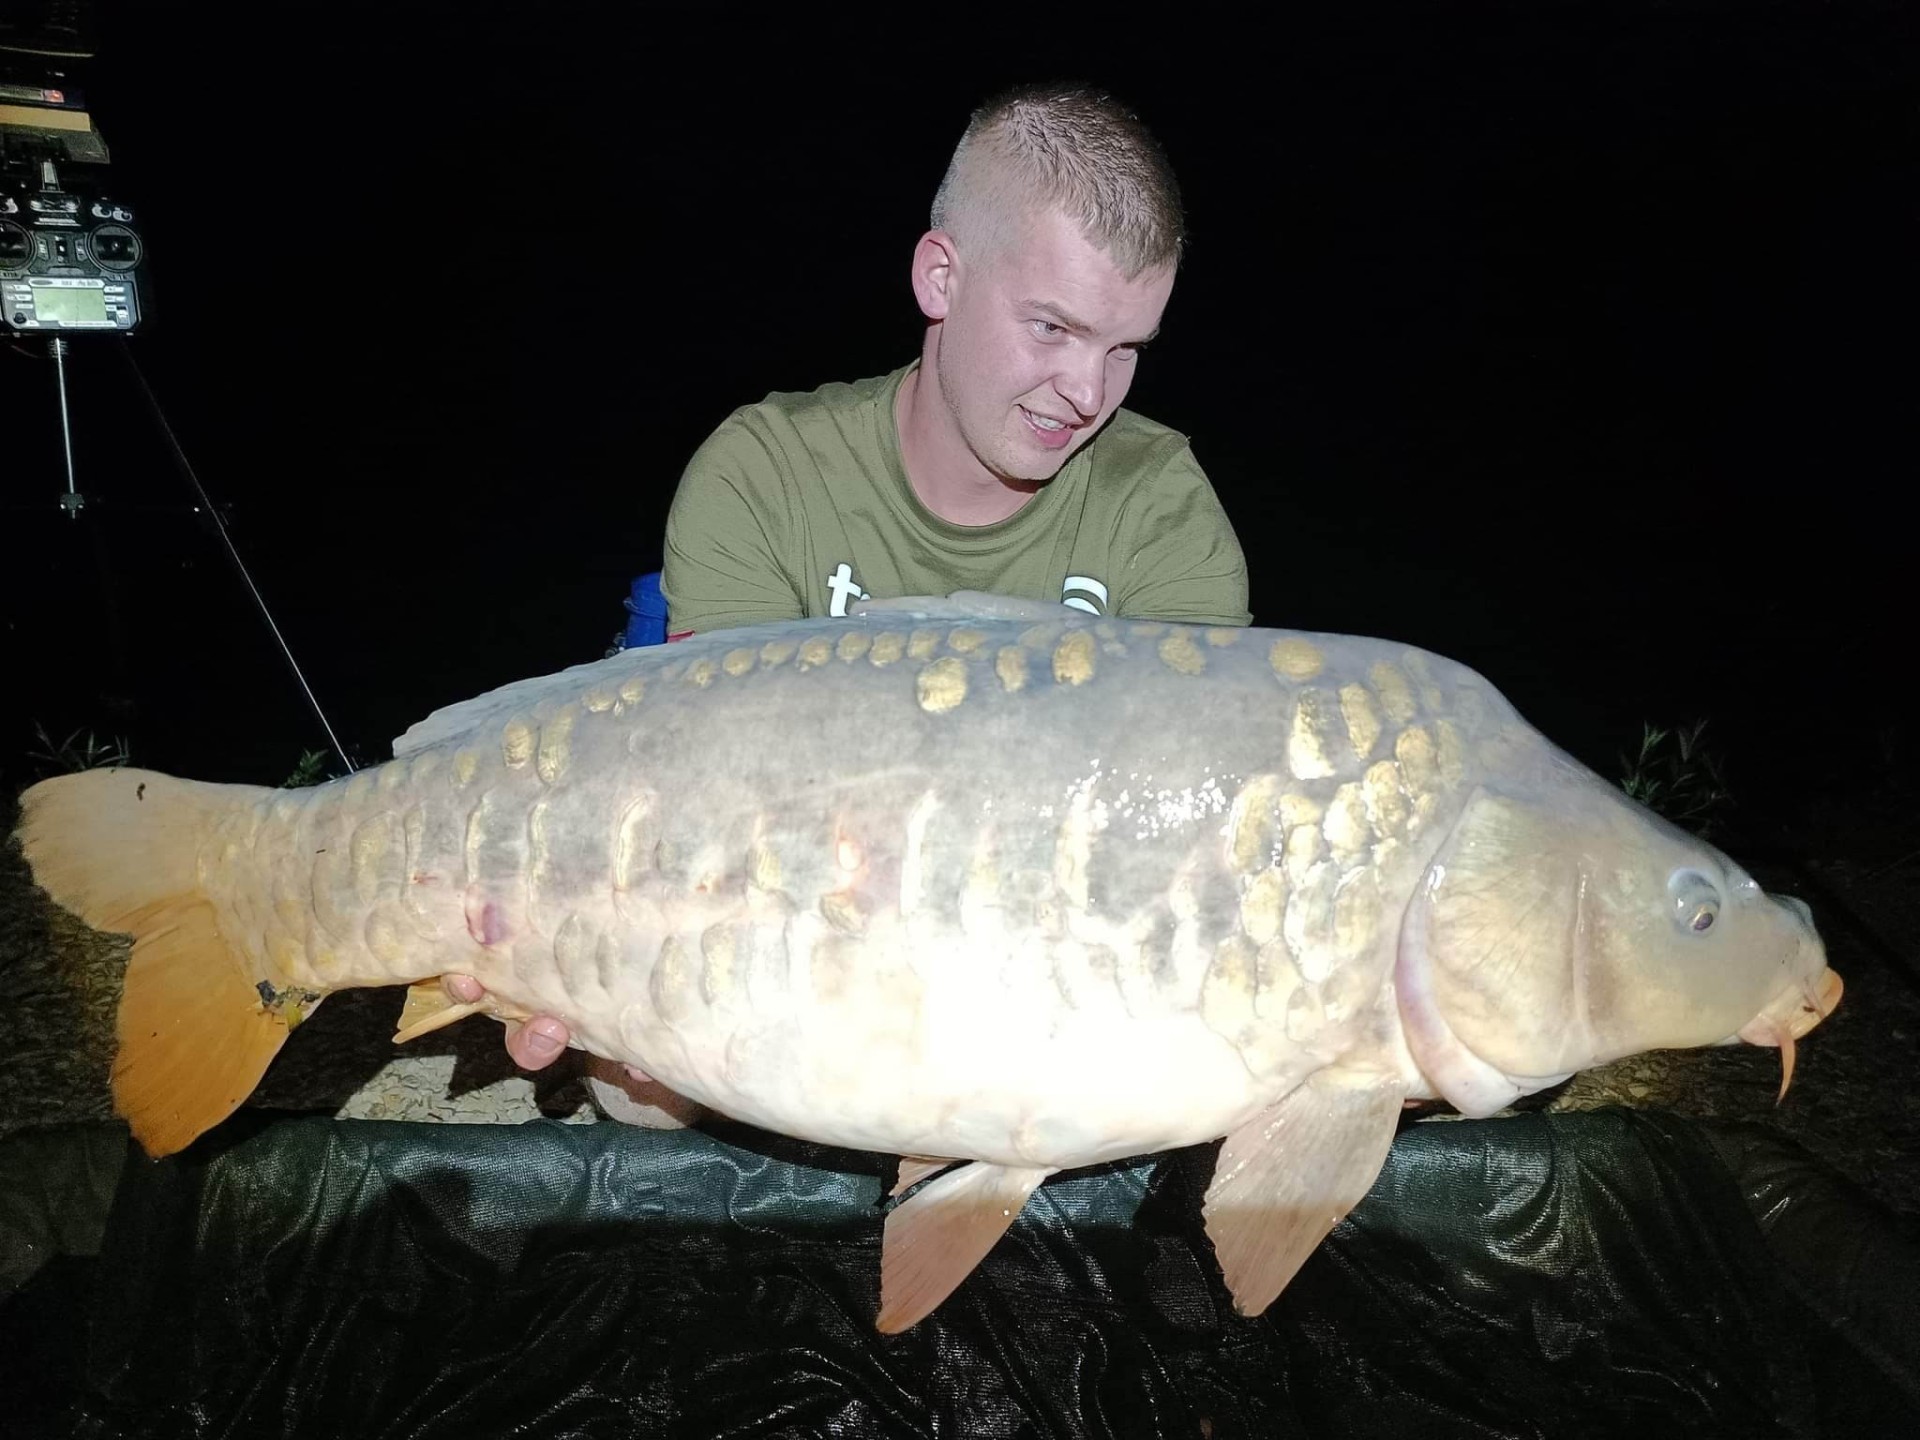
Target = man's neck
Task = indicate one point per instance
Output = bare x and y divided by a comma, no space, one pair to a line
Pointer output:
943,473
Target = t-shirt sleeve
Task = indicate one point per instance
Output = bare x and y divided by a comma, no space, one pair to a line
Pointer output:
1180,559
727,531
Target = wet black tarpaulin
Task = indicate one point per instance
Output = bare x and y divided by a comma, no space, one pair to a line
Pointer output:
1541,1275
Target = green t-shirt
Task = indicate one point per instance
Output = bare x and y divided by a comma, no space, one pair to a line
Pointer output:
799,506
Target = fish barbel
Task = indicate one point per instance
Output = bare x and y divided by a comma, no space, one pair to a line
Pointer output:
998,887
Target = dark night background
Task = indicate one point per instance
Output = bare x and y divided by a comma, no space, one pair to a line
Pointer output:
1574,342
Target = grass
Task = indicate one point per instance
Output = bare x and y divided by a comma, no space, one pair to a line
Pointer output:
1681,780
82,750
85,750
312,770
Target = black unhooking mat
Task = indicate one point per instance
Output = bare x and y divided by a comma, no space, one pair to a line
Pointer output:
1605,1274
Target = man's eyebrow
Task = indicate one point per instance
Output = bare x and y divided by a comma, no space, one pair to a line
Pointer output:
1079,327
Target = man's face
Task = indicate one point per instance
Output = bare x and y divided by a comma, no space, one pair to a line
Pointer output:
1038,347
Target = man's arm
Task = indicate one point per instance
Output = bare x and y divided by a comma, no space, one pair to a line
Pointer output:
725,538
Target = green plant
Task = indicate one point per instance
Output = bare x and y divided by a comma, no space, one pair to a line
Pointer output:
1683,781
77,753
312,770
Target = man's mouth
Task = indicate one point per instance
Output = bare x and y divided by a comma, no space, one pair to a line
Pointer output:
1049,431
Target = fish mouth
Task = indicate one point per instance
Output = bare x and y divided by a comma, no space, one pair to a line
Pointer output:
1794,1012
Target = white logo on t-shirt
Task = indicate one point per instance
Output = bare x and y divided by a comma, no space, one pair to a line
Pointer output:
844,588
1086,585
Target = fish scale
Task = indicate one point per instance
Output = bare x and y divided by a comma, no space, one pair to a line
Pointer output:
969,878
1085,869
849,990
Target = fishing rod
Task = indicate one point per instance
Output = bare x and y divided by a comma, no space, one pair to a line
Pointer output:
233,552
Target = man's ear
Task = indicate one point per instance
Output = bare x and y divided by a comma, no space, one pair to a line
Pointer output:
935,264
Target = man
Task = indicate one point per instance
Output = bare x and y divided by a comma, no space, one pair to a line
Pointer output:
999,460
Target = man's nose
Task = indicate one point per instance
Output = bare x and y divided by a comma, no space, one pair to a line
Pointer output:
1084,387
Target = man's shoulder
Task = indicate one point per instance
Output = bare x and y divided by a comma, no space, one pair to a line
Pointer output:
1135,450
831,403
1132,428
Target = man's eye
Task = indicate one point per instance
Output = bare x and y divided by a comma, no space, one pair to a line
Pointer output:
1047,329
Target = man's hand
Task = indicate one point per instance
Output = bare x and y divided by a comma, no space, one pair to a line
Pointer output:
533,1045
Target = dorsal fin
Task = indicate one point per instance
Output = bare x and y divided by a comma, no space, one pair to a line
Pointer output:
963,605
495,707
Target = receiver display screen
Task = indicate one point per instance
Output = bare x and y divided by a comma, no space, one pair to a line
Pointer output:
70,307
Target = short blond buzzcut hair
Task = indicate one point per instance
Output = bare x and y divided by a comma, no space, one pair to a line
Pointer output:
1069,148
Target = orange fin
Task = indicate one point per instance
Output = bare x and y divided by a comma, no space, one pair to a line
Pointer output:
198,1023
936,1236
430,1008
195,1035
915,1168
1286,1177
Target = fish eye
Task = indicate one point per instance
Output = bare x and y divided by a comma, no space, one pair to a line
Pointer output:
1696,901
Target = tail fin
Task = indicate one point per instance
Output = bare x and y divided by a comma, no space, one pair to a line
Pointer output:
120,849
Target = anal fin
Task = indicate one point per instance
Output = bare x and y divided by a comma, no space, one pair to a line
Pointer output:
935,1237
1288,1176
429,1008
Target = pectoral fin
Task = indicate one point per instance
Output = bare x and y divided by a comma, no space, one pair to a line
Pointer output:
935,1237
1286,1178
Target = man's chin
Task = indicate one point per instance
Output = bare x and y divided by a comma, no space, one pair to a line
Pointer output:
1027,479
1031,472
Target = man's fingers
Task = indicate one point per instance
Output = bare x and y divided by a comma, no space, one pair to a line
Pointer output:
532,1046
537,1043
